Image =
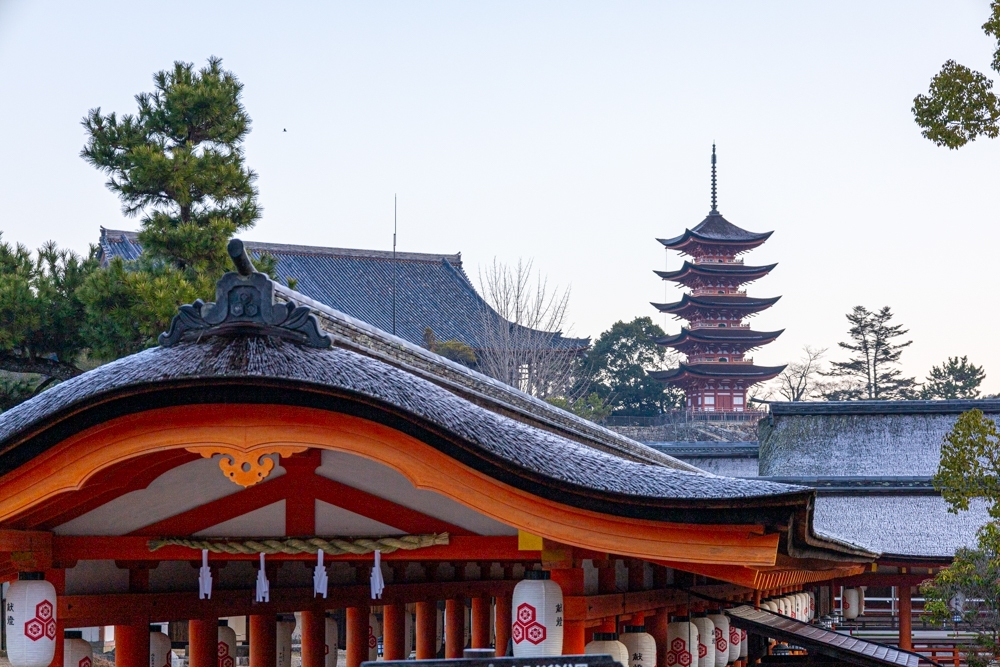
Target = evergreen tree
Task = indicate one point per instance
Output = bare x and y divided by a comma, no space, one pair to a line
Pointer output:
872,373
616,368
40,313
955,378
177,165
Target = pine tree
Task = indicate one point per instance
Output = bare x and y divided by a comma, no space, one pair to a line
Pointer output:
178,165
872,373
955,378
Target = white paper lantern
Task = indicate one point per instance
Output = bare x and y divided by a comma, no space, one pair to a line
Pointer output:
735,639
706,641
850,603
227,645
682,643
812,605
721,622
374,632
606,643
537,628
31,623
439,635
332,640
861,600
409,633
640,645
797,606
786,608
77,651
159,648
283,640
467,629
744,644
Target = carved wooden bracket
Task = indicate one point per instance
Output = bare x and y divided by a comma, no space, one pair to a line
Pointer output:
246,468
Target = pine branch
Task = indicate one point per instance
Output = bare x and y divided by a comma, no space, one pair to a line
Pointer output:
47,367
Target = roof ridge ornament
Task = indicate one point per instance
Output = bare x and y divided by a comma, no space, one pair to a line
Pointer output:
245,305
715,209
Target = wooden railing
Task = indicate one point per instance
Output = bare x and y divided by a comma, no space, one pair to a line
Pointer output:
949,656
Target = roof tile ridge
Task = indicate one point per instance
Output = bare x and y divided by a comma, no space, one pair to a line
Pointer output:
349,252
542,414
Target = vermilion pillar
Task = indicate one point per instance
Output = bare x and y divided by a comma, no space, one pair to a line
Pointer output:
203,643
426,630
394,631
454,628
503,623
656,625
132,645
264,640
357,635
905,621
571,582
481,622
313,639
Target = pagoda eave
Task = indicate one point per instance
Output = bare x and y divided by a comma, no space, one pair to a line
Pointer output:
737,272
719,372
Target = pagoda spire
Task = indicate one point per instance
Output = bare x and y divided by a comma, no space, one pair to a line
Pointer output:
714,199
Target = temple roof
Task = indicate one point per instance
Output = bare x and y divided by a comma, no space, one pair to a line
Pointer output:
742,271
716,230
733,370
717,302
431,290
720,335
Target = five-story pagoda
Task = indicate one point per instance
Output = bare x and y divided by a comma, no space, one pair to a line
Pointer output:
717,373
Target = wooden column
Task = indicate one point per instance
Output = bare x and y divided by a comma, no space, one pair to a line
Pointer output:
657,626
571,582
504,620
905,617
481,622
606,577
426,630
454,628
132,644
357,635
203,643
264,640
313,638
394,632
636,575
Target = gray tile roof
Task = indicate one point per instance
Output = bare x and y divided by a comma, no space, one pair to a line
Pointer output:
716,228
431,290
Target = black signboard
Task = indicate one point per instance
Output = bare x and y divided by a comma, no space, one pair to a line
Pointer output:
553,661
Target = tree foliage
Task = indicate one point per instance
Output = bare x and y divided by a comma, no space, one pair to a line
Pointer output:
617,368
955,378
178,165
970,463
452,349
960,105
872,372
40,313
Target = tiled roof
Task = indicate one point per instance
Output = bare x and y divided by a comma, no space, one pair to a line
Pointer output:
431,290
715,228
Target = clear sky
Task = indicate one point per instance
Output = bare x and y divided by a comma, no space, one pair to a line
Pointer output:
573,133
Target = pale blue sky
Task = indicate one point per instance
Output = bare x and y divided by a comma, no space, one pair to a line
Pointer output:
573,133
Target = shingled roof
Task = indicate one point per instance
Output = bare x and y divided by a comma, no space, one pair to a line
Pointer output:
716,229
431,290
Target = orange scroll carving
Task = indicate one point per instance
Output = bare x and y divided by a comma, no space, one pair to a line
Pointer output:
246,468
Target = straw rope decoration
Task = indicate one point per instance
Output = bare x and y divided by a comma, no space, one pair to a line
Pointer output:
331,546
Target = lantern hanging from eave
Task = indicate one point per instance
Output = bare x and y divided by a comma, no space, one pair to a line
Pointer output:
812,605
283,639
797,606
721,623
30,619
409,633
682,643
537,626
76,651
606,643
640,645
706,640
850,604
439,632
374,632
159,647
806,611
744,644
786,608
861,600
227,644
735,639
332,641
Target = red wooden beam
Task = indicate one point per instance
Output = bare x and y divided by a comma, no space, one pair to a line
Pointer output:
68,548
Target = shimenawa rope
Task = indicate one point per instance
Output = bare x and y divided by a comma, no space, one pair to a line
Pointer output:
332,546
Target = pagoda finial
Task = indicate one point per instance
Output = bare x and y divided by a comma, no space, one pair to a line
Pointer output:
714,201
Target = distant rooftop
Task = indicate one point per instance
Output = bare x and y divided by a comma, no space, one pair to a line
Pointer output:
431,290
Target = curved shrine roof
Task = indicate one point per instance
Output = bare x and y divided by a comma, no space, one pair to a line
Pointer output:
742,271
720,335
718,371
717,230
717,302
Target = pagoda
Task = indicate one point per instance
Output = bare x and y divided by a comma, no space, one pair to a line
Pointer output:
716,373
